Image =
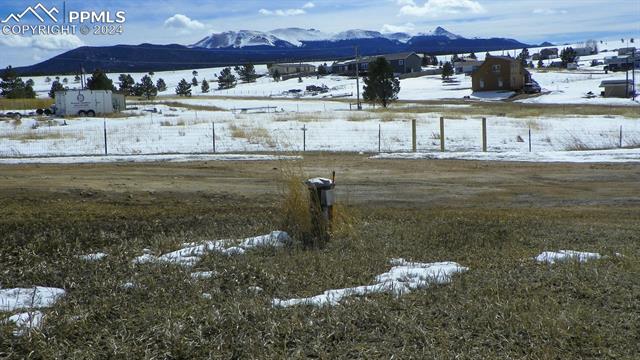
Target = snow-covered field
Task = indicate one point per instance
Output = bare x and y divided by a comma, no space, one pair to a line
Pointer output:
182,131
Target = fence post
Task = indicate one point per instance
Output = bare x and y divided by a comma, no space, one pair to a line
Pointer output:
484,134
105,137
379,137
620,136
529,138
213,135
413,135
442,133
304,137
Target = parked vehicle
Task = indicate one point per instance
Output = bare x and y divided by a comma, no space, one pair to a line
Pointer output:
531,87
83,102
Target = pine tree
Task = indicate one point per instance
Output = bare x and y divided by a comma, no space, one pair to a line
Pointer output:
194,73
126,84
30,82
205,86
99,81
276,75
76,79
183,88
161,85
473,56
65,81
247,73
194,82
380,85
322,69
146,87
426,59
226,80
12,86
540,64
523,56
455,58
55,86
447,70
568,55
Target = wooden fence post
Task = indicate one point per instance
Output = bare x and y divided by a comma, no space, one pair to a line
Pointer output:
484,134
442,134
414,138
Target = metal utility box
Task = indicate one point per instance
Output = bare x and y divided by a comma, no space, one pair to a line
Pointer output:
83,102
323,191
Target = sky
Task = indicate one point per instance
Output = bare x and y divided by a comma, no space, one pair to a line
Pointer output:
187,21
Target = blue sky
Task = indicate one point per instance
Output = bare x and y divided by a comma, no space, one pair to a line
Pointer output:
187,21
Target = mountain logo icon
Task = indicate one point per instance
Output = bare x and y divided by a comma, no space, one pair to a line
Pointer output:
35,11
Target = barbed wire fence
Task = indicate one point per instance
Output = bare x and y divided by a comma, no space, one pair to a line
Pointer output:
204,136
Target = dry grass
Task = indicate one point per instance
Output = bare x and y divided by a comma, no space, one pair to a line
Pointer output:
25,104
253,134
36,136
178,104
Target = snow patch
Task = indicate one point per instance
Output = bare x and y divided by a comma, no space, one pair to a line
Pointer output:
25,322
191,253
203,274
93,257
551,257
145,158
36,297
400,280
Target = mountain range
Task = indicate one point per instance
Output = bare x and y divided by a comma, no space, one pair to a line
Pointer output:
249,46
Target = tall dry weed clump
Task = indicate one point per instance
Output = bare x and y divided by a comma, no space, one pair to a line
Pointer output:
301,217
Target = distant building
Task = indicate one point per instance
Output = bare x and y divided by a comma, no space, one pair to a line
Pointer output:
467,67
617,88
549,53
585,51
500,73
622,63
626,51
292,68
402,63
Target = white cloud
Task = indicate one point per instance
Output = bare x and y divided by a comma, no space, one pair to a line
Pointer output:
406,28
288,12
439,7
183,22
42,42
549,11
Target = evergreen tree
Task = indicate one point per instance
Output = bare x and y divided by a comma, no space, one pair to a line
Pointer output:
161,85
183,88
146,88
299,79
100,81
322,69
426,59
380,85
247,73
126,84
194,73
473,56
540,64
276,75
55,86
151,73
226,80
76,79
30,82
568,55
486,55
205,86
47,80
524,55
12,86
455,58
447,70
65,81
194,82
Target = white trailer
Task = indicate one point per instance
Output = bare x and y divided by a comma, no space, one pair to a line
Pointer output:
83,102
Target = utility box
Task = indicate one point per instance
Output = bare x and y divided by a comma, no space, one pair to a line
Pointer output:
322,192
83,102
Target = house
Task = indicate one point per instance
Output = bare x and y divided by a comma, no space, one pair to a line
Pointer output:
617,88
500,73
402,63
549,53
467,67
626,51
585,51
572,66
622,63
292,68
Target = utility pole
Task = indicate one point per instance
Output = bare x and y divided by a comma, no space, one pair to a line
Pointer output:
358,80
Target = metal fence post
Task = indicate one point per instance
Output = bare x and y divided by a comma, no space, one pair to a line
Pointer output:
529,138
213,135
620,136
379,137
442,134
304,137
105,137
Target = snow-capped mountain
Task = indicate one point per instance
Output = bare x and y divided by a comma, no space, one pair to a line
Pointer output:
240,39
357,34
440,31
295,36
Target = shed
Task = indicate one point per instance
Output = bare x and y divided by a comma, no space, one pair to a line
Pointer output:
617,88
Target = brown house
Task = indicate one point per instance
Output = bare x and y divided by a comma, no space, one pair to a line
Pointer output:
500,73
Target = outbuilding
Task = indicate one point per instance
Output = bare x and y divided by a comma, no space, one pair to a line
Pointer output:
617,88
